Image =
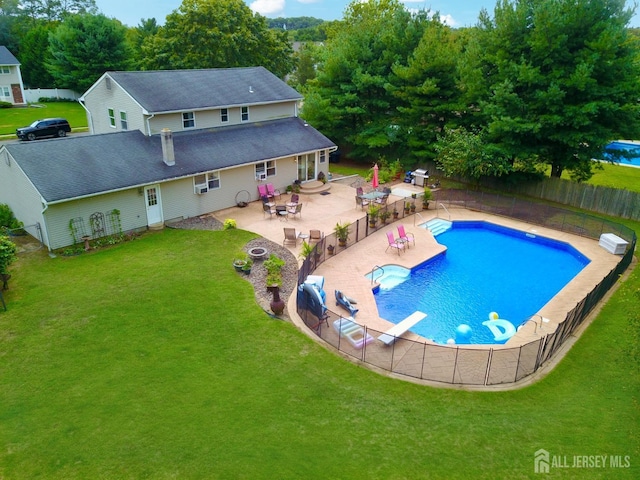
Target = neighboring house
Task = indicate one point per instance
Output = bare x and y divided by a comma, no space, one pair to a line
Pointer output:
11,87
184,143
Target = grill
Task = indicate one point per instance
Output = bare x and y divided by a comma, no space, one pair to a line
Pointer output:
420,176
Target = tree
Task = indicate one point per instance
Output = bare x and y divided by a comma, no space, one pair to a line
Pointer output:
427,90
350,100
137,36
84,47
305,70
555,81
218,34
56,9
34,53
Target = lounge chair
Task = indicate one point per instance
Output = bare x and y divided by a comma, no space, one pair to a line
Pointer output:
391,335
269,208
393,243
272,192
290,236
354,333
405,237
315,236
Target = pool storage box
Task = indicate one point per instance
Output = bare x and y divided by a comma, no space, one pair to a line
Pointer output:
613,243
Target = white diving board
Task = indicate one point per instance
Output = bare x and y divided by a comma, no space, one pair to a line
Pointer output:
394,332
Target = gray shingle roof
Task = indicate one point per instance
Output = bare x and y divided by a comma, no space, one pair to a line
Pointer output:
6,57
77,166
177,90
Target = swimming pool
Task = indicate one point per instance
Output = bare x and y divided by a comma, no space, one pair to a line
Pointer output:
623,148
486,268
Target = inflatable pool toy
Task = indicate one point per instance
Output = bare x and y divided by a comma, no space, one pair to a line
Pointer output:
354,333
451,341
345,302
463,333
501,329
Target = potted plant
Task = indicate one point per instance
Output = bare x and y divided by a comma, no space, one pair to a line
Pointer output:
240,261
426,197
396,213
373,213
330,249
384,216
412,207
342,233
246,268
306,250
407,207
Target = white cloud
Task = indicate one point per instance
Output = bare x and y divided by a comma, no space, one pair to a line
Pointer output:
448,20
267,7
308,1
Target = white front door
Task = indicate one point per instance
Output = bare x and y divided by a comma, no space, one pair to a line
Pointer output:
154,206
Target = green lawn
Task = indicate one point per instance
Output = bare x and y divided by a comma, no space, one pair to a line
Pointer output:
151,359
12,118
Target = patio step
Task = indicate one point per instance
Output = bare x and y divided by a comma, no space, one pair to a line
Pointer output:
314,187
437,226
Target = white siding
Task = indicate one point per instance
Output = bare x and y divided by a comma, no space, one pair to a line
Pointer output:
211,118
100,99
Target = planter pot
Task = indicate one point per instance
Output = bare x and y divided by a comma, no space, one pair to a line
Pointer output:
396,215
239,265
342,243
246,271
372,224
330,249
277,304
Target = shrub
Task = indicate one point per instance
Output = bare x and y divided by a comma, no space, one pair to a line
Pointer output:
7,219
274,266
6,105
7,254
230,223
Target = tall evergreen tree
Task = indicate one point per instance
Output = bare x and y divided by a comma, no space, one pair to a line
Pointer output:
84,47
554,81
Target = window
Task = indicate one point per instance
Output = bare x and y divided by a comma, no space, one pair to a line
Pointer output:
245,114
224,115
207,181
4,91
266,169
123,121
188,120
112,118
323,156
5,69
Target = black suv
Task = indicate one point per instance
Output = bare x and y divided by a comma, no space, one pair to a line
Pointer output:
48,127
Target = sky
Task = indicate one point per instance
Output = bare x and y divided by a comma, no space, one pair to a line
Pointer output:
457,13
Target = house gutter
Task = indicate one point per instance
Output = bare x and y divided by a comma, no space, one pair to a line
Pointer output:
149,124
46,207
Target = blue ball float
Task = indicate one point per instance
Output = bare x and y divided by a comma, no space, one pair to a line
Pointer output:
463,331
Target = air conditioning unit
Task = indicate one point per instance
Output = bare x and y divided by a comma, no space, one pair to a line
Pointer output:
201,190
261,177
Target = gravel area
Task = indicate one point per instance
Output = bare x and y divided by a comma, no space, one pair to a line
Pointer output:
258,275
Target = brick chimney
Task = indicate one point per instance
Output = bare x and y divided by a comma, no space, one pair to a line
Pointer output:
167,147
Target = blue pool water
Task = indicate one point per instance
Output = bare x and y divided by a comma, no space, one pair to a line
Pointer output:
486,268
624,148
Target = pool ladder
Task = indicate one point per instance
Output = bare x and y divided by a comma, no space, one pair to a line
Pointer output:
376,267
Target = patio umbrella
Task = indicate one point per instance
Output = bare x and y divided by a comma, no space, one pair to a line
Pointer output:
375,176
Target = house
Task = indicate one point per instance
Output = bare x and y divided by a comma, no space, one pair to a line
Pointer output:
164,145
11,87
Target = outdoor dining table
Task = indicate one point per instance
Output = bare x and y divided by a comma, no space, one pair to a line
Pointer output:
373,195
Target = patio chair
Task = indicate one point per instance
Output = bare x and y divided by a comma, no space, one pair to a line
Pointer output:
361,202
382,200
269,208
359,191
393,243
295,198
272,192
262,191
315,236
405,237
265,201
290,236
295,210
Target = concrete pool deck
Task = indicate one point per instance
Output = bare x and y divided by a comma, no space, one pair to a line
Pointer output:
346,270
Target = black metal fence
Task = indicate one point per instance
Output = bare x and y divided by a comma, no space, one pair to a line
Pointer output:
469,364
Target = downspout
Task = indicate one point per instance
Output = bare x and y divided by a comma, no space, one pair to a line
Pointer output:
91,130
149,125
46,207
